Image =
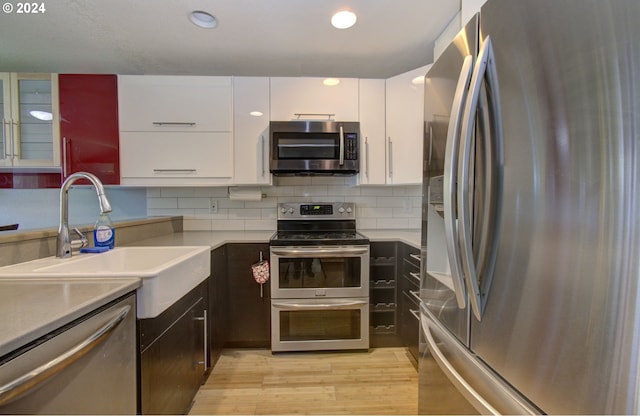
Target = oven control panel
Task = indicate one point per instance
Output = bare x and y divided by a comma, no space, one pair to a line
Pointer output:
321,210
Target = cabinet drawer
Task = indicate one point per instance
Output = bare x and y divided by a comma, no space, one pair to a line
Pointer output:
174,103
176,155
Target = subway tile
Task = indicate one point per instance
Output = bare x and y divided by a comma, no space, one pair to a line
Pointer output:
201,203
393,223
227,225
260,225
164,203
192,224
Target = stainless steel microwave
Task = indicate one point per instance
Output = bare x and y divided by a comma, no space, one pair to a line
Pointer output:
302,147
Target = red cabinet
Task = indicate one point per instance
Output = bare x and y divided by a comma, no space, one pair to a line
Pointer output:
89,125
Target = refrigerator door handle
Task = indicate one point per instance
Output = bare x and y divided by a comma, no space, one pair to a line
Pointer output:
477,383
484,69
476,400
450,180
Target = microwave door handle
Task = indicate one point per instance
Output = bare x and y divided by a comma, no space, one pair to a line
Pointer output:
341,146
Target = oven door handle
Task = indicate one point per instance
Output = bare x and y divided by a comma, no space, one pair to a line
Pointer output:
318,251
334,305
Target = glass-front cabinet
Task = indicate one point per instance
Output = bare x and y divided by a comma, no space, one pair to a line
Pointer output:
30,120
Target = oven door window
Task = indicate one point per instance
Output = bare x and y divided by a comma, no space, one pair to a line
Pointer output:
319,325
324,272
317,146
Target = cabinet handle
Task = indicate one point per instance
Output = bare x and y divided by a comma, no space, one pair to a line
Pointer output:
203,318
341,146
415,314
32,379
415,294
262,155
175,170
5,142
174,123
15,153
415,256
366,156
66,152
328,115
415,276
390,145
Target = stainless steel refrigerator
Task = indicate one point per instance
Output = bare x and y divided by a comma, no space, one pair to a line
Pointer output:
531,214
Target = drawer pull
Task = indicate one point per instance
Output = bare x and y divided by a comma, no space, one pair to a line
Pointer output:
415,276
174,170
174,123
415,314
416,257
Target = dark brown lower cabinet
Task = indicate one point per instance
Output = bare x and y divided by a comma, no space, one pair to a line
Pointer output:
172,355
218,300
409,280
383,295
248,307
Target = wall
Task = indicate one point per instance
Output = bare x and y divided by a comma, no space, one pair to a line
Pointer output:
377,207
40,208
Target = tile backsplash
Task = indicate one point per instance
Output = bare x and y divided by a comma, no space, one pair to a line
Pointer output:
377,207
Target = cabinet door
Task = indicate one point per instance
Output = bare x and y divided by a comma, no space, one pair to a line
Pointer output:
410,299
218,301
31,134
5,113
249,307
290,96
405,127
372,132
89,125
174,103
149,158
172,351
251,130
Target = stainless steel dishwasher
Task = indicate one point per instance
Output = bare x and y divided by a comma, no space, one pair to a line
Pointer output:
86,367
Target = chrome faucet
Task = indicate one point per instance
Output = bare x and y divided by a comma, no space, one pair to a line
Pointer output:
64,244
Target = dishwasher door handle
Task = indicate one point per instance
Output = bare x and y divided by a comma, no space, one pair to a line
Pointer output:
29,381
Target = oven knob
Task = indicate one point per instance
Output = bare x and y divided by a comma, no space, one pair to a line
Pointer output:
291,211
283,210
349,210
341,210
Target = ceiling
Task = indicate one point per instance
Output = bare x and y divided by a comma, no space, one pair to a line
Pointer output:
253,37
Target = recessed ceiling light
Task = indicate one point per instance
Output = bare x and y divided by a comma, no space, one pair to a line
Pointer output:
203,19
256,113
344,19
331,82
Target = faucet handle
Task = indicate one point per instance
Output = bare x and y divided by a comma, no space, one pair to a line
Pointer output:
83,242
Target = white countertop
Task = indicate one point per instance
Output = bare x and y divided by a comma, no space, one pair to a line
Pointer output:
215,239
32,308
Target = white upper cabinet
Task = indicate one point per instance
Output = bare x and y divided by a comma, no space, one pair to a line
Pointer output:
312,99
155,103
30,115
405,127
372,132
251,130
468,8
175,130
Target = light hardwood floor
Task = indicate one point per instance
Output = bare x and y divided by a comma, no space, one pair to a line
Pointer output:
382,381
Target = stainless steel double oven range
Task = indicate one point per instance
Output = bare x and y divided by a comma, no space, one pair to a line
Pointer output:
320,279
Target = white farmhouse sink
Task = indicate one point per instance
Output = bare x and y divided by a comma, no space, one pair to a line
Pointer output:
167,273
